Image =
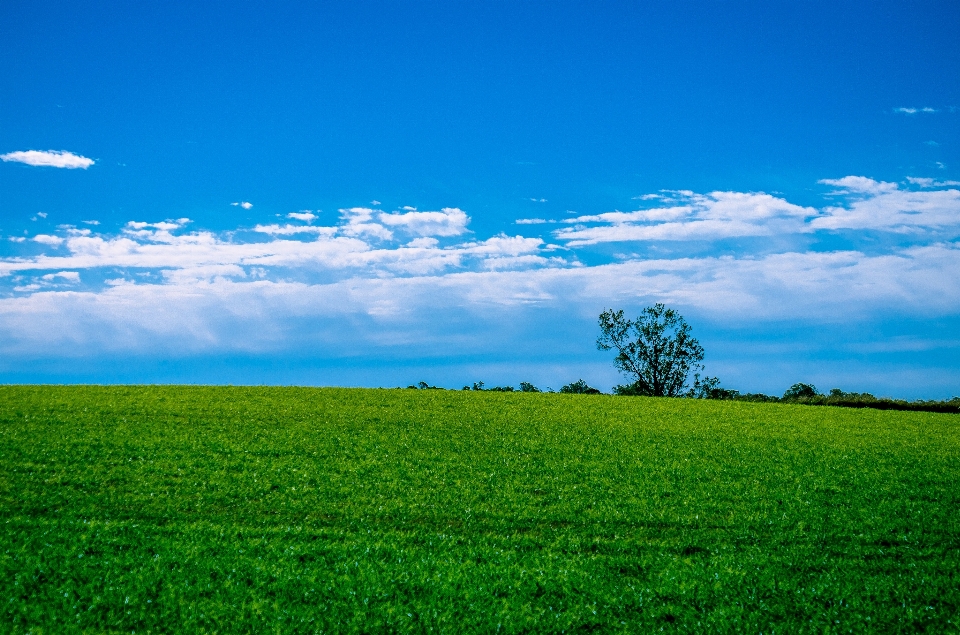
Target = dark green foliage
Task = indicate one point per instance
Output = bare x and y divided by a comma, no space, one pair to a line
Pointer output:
424,386
837,397
528,387
630,390
798,392
756,397
479,386
579,387
294,510
807,395
656,350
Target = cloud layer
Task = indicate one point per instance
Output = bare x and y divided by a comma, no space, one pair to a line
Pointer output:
419,280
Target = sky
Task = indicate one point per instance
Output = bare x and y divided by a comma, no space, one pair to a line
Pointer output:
381,193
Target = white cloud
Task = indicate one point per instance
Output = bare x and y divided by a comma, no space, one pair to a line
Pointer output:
91,222
450,221
306,216
700,217
49,158
46,239
865,203
219,309
405,277
359,222
913,111
859,184
42,214
423,243
69,276
531,221
288,230
927,182
243,204
879,205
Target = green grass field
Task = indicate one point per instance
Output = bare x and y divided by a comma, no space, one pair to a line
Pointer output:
254,510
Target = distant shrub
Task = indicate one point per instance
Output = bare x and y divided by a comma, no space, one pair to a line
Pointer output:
806,394
636,389
424,386
579,387
799,391
479,386
757,397
528,387
709,388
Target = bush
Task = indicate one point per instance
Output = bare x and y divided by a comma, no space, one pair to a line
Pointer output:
528,387
479,386
579,387
424,386
797,392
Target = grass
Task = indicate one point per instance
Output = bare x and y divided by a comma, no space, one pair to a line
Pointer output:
255,510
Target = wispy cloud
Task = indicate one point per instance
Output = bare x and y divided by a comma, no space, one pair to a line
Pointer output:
692,217
913,111
885,206
49,158
243,204
863,204
928,182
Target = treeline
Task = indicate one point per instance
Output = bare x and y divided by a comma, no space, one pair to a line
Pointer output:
807,394
578,387
803,394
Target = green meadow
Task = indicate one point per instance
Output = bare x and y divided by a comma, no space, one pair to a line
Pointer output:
301,510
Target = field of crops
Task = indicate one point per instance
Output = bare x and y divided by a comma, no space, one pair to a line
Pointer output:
195,509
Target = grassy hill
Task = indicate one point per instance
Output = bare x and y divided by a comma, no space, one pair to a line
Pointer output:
200,509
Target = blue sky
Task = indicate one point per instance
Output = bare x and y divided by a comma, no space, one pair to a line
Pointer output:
382,193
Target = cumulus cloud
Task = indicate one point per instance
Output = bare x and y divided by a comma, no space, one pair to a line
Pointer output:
243,204
68,276
859,185
46,239
306,216
449,221
49,158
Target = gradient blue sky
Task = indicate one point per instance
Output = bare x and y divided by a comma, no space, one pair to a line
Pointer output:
382,193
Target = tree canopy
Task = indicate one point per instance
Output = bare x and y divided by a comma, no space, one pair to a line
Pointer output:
657,351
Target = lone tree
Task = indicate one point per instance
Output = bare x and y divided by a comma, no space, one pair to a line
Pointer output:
657,350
